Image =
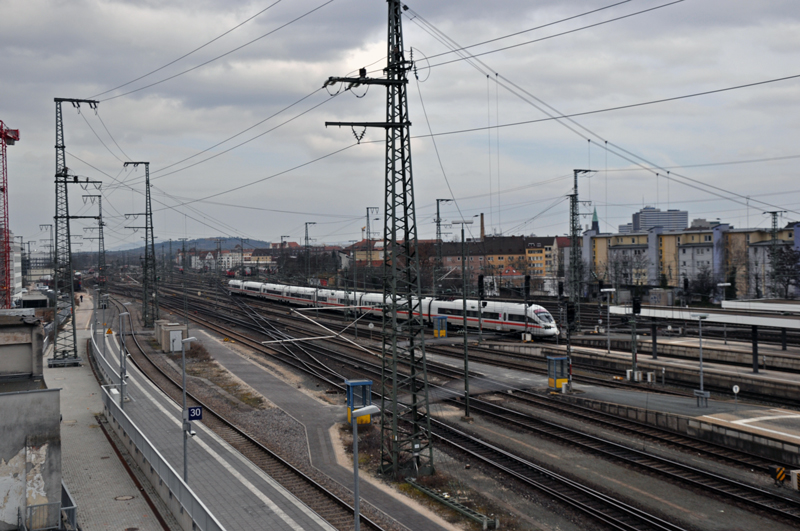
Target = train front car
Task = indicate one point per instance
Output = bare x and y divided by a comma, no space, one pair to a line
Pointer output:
544,322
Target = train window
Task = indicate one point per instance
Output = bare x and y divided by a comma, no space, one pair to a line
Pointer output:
516,317
544,316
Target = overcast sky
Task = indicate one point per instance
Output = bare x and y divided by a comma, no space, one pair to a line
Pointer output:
293,170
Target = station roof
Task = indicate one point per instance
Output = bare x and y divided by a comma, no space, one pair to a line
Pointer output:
717,316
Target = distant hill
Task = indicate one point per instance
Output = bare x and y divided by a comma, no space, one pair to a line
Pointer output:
206,244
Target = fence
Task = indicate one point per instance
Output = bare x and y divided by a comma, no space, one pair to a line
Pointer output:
184,503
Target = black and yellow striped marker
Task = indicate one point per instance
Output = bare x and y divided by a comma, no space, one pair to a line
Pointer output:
778,473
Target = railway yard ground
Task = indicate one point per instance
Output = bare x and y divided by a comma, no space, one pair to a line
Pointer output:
303,419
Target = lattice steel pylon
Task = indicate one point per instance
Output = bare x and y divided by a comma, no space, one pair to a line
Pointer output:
101,245
575,254
64,343
437,268
8,137
149,277
406,446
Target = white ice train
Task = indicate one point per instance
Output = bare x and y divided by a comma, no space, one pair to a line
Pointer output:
494,316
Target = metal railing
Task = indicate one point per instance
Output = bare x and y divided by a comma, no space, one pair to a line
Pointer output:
42,517
200,514
69,509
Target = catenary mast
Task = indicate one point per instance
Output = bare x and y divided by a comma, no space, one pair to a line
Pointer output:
406,448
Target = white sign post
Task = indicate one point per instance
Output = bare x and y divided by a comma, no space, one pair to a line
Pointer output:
736,397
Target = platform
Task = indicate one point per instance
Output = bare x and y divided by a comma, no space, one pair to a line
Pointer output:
319,420
239,494
771,432
106,495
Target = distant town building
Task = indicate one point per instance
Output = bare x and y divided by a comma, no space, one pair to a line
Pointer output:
650,217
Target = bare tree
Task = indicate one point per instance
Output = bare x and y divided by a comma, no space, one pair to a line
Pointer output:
785,270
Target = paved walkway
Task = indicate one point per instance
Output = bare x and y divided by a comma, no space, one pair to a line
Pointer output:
318,419
240,495
90,467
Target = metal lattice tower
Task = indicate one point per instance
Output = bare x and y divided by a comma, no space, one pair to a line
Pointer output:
64,343
370,212
437,268
101,246
8,137
149,277
406,448
308,252
575,255
773,250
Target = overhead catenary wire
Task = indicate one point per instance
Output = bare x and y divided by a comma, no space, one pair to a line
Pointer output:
461,49
187,54
561,118
157,174
204,63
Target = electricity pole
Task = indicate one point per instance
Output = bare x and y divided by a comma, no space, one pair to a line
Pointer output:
183,254
242,241
64,345
437,268
149,278
406,443
101,246
773,251
370,211
575,264
308,253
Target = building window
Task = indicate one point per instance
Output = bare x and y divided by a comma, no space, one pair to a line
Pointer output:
501,258
707,238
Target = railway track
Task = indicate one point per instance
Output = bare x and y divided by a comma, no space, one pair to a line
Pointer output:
614,513
617,515
741,493
321,500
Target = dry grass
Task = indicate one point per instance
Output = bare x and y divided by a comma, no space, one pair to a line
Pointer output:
200,364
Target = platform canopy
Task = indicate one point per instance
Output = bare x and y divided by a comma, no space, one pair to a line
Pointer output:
717,316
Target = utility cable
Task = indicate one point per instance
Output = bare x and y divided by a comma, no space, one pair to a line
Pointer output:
575,30
184,56
220,56
158,175
573,17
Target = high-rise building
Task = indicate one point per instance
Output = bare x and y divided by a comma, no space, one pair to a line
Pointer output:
650,217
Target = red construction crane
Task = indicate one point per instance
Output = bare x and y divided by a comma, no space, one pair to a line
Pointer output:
8,137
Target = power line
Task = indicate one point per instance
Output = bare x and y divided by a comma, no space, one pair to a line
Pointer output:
610,109
473,56
184,56
573,17
220,56
239,134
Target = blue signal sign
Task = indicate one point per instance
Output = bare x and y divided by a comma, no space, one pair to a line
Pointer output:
196,413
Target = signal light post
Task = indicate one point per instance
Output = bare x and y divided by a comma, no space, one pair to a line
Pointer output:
608,292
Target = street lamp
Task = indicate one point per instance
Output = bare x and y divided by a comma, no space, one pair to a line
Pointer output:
608,314
464,222
187,427
701,394
724,285
355,414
